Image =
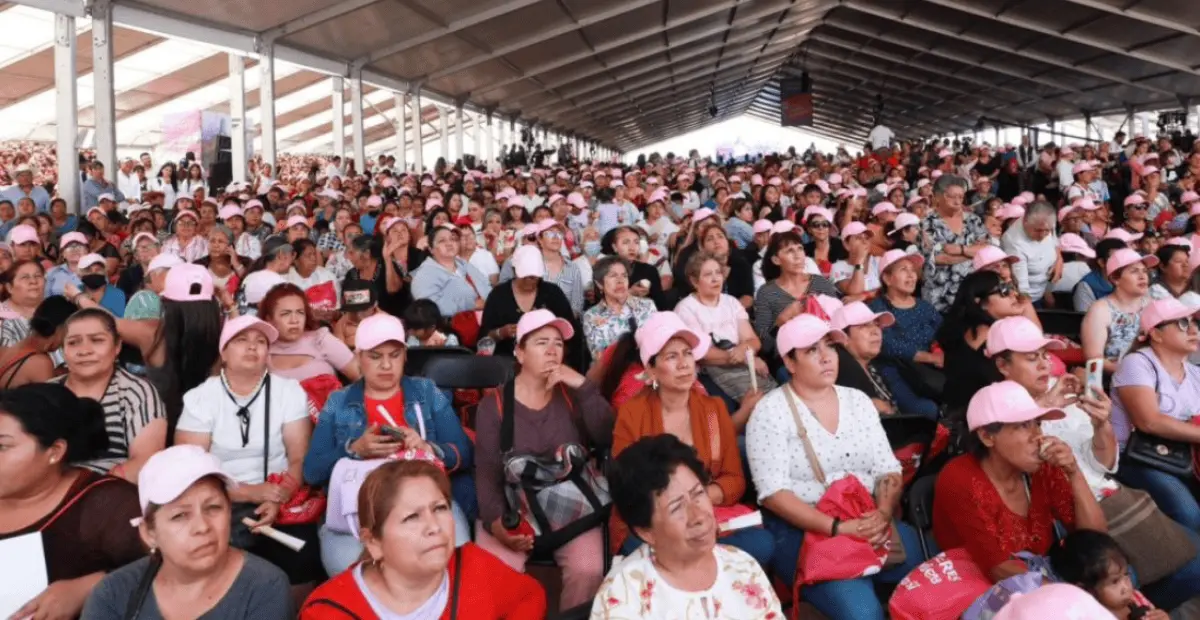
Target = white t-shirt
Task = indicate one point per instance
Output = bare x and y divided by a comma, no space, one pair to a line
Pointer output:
1073,272
484,262
635,589
208,408
843,270
880,137
319,276
721,320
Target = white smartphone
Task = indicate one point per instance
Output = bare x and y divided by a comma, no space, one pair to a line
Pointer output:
1095,376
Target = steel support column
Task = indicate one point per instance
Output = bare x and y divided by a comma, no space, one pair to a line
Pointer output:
105,93
339,117
356,118
477,131
443,134
401,133
490,135
266,120
237,111
418,142
68,110
461,119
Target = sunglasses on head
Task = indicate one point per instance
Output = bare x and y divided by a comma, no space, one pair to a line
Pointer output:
1141,207
1004,289
819,224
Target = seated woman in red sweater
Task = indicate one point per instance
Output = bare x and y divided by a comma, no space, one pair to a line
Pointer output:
1004,495
410,565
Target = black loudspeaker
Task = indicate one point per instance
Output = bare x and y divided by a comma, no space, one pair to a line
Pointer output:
224,149
220,175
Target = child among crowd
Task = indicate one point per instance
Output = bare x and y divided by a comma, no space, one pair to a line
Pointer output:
1094,562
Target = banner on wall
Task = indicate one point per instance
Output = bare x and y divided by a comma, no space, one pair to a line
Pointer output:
795,102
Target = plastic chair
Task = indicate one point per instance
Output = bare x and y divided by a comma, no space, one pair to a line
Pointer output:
418,357
920,509
1066,323
455,371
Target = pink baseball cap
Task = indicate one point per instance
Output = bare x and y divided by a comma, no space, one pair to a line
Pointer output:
144,235
72,237
702,214
188,282
1149,170
1056,600
555,198
1019,334
756,179
804,331
1021,200
1086,204
374,201
1125,257
1010,212
733,178
1188,198
991,255
659,195
902,221
782,226
1082,166
379,329
253,204
163,261
187,213
762,226
236,326
775,181
891,257
1066,212
835,179
1006,402
814,210
1123,235
532,321
857,313
230,211
1163,311
91,259
1135,199
103,197
661,329
1194,210
167,474
855,228
916,199
575,199
527,262
24,234
297,220
1071,242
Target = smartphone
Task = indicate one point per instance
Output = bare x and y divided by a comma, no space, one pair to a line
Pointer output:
393,432
1095,376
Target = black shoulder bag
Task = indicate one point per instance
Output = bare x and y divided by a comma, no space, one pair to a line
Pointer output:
1166,455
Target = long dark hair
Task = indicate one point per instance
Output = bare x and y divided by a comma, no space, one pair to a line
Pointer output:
174,178
967,313
190,331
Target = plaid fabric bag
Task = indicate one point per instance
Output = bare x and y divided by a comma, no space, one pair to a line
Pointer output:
559,496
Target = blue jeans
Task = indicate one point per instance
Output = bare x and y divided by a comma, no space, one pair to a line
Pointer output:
1174,495
1179,587
756,541
850,598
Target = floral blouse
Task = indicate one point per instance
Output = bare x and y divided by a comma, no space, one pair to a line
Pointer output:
941,281
602,327
634,589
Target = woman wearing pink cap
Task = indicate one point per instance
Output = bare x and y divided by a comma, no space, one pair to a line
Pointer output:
552,406
186,243
862,367
1005,494
222,260
857,275
669,353
823,247
846,438
192,570
1111,326
80,518
220,414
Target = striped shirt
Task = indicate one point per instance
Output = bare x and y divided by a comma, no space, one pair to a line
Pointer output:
130,403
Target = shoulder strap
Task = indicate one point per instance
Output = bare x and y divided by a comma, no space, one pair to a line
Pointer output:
576,417
458,571
331,603
66,506
14,366
813,463
1153,367
134,608
714,435
267,428
506,395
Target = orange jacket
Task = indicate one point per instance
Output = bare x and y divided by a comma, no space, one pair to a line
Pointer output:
488,590
641,416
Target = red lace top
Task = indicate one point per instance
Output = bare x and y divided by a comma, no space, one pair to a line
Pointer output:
969,513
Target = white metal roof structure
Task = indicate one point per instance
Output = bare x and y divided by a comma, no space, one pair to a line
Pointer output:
616,73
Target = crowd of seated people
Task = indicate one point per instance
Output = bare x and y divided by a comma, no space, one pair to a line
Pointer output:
707,360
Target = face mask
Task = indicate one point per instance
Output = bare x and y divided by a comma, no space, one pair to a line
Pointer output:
591,248
643,246
93,281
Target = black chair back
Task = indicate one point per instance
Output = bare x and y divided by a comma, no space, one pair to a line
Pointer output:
418,357
1066,323
468,372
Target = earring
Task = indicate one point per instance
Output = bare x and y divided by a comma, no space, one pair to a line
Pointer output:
654,384
53,460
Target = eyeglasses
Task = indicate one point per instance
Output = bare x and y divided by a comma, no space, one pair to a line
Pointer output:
1004,290
552,234
1139,207
1185,324
819,225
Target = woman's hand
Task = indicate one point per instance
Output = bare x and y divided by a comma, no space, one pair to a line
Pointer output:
1098,407
374,444
638,290
795,309
868,527
1156,614
565,375
507,332
760,368
1058,454
61,600
1064,393
266,512
522,543
259,493
70,291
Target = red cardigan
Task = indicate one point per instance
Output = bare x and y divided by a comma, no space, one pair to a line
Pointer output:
489,590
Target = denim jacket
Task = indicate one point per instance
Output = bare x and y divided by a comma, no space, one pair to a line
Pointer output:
344,419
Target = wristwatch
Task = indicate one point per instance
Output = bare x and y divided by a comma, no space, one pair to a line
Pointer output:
858,268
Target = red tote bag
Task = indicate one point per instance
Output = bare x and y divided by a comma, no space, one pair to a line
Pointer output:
941,588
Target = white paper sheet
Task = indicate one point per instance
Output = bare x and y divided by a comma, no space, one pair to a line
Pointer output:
22,571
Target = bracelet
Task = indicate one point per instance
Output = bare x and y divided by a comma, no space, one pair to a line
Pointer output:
833,530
